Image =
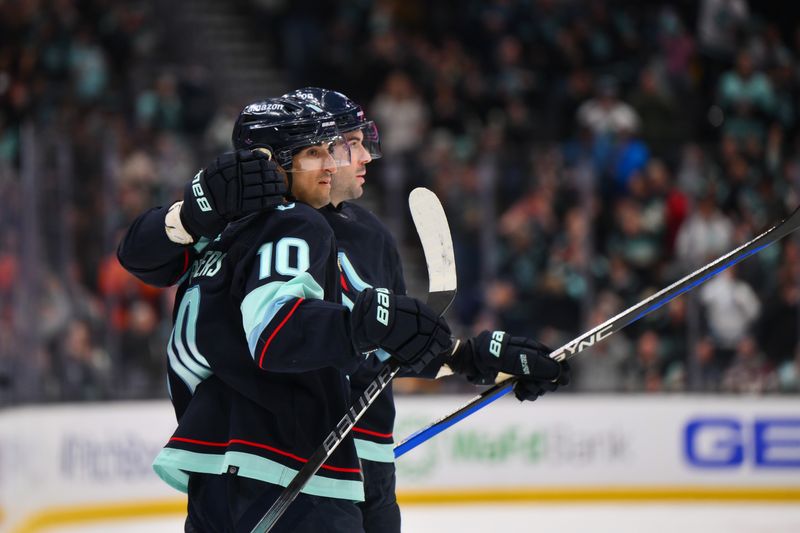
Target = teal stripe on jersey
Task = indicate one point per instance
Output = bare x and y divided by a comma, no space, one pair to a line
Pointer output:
199,246
261,305
351,274
359,285
194,360
184,358
347,302
372,451
173,465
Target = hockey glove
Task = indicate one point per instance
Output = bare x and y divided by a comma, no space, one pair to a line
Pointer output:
482,357
528,389
234,185
408,329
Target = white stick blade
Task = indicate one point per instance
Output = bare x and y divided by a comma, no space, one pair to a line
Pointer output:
434,234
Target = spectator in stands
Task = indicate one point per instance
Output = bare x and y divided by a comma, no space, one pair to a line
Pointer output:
160,108
720,25
705,371
141,368
788,375
748,373
662,126
706,234
644,372
778,334
602,369
88,67
605,114
669,205
638,243
747,99
402,115
84,369
731,308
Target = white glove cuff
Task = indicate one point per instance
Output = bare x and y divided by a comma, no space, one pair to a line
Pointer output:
445,369
173,226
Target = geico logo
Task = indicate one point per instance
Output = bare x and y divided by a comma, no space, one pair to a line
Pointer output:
729,442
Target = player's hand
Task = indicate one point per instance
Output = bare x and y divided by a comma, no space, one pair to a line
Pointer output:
528,389
482,357
234,185
409,330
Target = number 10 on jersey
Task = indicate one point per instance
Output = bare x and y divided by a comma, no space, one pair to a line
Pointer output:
288,257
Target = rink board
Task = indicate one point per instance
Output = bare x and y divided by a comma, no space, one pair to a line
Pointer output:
81,463
605,447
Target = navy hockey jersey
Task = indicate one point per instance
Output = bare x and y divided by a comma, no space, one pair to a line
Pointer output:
368,257
257,351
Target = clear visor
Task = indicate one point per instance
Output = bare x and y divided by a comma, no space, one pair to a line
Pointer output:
371,140
328,154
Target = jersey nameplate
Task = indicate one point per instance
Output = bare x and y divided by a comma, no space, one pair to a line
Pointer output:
208,265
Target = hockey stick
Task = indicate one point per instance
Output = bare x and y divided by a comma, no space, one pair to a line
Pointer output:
611,326
437,245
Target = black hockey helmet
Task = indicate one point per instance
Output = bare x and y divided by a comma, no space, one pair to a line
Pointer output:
283,127
348,114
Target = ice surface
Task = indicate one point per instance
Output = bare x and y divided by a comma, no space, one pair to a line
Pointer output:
560,518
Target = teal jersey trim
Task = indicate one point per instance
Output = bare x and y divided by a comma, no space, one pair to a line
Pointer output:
372,451
261,305
199,246
359,285
173,467
183,355
351,274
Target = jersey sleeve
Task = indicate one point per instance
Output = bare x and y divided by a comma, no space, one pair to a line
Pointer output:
396,266
289,311
146,252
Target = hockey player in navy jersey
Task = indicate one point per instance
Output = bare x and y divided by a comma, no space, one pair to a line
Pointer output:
368,257
261,347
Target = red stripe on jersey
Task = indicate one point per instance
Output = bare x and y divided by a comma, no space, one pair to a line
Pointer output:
185,265
269,340
344,282
262,446
372,433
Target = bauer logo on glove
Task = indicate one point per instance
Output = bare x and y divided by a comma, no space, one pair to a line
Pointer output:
200,197
383,306
406,328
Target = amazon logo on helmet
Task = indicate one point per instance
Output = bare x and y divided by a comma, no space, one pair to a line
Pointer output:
283,127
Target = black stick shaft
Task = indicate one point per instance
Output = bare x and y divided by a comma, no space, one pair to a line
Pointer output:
439,302
331,442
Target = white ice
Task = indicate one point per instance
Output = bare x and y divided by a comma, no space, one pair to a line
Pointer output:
550,518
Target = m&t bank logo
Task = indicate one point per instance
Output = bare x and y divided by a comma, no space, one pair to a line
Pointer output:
732,442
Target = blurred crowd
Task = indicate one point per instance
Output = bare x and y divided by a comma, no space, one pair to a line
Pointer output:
588,153
97,123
